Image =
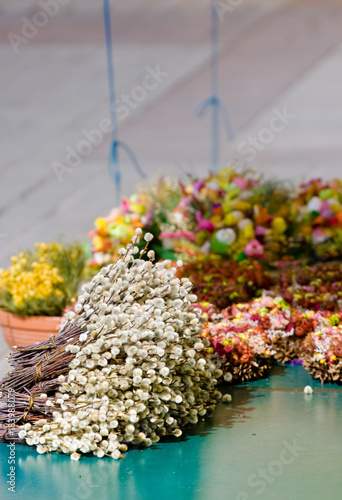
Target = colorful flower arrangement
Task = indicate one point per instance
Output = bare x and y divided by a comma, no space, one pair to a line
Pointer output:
244,352
319,220
258,332
322,349
235,214
148,210
273,317
43,282
284,325
247,338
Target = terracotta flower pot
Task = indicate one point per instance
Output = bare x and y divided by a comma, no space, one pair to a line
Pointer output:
27,331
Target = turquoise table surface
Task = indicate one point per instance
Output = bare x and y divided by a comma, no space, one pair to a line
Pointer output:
272,442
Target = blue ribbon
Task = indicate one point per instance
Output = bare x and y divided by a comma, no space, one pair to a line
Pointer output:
114,164
217,105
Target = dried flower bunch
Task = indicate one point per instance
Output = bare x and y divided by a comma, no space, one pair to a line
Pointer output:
249,337
240,347
284,325
322,349
139,368
243,351
42,282
223,282
316,287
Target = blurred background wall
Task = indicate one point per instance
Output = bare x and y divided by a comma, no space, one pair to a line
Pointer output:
280,77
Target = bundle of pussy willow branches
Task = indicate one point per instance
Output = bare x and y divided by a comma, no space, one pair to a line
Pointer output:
128,367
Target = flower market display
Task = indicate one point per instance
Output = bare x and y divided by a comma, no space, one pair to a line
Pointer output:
128,367
238,235
242,273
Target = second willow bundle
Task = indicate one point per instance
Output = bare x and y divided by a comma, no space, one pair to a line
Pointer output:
128,367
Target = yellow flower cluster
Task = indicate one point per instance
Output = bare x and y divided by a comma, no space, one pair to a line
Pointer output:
45,250
31,281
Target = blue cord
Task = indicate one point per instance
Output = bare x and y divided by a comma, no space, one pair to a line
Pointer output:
114,164
214,101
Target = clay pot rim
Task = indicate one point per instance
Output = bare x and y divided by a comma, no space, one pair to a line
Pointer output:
29,322
7,313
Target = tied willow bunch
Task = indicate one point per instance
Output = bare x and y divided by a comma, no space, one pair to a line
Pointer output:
139,369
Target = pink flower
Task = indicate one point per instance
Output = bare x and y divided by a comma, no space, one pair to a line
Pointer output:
260,230
125,206
204,224
254,249
185,202
318,236
241,182
326,211
197,186
266,301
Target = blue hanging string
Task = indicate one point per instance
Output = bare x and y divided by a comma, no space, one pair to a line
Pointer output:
214,101
114,163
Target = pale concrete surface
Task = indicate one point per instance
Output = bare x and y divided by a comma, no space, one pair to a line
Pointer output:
311,144
273,55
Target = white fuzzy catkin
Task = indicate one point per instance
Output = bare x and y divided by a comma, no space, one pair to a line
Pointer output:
139,370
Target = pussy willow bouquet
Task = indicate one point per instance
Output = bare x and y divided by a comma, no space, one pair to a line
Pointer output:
128,367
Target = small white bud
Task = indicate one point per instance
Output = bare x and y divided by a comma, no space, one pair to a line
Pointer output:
148,237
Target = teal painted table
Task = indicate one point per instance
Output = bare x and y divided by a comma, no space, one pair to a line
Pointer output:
272,442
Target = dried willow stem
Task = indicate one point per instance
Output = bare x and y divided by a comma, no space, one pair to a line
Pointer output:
35,370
